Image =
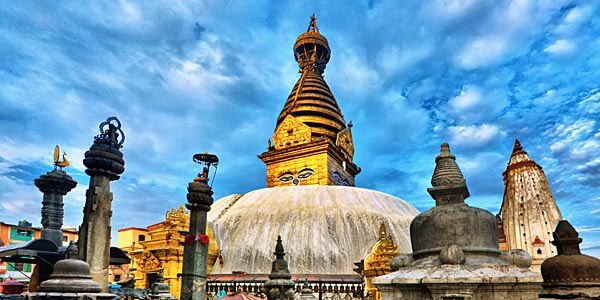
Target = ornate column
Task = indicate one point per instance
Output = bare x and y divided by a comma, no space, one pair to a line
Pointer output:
104,163
54,185
280,285
195,251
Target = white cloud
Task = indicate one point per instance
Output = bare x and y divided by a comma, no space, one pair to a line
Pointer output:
481,52
550,97
559,147
474,105
469,97
573,131
355,73
586,150
473,136
581,229
574,19
562,47
591,103
454,8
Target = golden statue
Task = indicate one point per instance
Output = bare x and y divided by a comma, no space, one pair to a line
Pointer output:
60,163
377,263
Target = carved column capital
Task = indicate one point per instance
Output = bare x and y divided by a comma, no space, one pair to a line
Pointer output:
55,182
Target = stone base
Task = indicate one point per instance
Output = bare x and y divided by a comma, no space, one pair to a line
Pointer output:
571,291
70,296
467,282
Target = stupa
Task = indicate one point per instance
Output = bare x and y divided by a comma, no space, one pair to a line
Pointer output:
529,212
455,250
310,199
570,274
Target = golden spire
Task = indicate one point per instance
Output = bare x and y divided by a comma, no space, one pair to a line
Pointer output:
60,163
311,100
311,143
378,262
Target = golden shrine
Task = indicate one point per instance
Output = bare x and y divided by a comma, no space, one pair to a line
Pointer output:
312,144
378,262
158,250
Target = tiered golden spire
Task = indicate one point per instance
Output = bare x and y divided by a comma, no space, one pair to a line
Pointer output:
311,136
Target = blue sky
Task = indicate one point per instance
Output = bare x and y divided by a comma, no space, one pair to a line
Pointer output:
188,77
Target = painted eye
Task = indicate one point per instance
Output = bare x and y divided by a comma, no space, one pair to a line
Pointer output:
286,178
305,173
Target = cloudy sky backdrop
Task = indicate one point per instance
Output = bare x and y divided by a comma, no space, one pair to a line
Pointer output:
188,77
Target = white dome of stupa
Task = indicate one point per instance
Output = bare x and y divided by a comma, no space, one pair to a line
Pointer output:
325,229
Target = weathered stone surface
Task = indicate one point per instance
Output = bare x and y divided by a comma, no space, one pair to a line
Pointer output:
570,274
472,229
452,255
71,279
517,257
104,163
401,261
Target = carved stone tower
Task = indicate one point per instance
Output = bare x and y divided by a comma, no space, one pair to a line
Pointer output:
529,213
104,162
312,143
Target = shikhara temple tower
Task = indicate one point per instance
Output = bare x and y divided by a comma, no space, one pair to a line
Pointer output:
529,213
312,143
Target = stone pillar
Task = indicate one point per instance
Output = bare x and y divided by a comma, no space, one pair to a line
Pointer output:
104,163
280,285
54,185
70,280
195,251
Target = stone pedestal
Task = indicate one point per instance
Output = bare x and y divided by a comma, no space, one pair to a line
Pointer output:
71,280
160,291
195,251
104,163
54,185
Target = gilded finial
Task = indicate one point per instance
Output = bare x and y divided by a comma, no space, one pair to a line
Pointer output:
312,25
382,231
60,163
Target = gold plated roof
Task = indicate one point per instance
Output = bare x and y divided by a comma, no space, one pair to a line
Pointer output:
311,100
313,104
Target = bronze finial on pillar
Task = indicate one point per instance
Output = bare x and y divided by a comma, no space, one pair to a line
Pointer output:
195,251
280,285
104,164
54,185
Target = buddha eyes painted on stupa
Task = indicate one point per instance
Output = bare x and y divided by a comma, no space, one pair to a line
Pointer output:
295,179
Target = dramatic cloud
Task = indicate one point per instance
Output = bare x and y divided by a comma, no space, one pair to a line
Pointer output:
189,77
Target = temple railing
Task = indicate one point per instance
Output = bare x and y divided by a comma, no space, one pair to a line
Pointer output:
325,287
